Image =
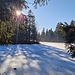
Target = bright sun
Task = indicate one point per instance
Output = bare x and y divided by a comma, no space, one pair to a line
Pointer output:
18,13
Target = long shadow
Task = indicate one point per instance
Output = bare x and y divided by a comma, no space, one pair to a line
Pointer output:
38,59
48,55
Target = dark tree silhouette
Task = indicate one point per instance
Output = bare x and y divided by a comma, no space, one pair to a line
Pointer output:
69,35
8,7
31,27
8,17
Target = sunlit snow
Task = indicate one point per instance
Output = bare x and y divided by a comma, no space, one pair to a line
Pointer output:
36,59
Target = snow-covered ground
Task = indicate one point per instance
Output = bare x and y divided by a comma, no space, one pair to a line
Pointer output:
36,59
54,44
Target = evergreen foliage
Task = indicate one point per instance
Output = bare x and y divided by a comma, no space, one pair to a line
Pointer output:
8,7
64,32
70,38
8,22
6,32
27,30
52,36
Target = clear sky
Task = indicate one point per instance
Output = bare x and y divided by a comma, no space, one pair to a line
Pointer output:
56,11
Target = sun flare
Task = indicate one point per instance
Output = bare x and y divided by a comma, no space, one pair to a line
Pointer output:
18,12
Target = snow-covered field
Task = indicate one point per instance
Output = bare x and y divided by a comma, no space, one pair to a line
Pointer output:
36,59
57,45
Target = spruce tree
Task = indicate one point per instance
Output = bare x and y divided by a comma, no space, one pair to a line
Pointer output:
69,35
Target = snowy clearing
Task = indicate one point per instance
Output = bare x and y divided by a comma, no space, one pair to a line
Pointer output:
54,44
36,59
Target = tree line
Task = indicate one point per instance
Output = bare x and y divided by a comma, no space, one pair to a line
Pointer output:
8,21
64,32
26,32
48,35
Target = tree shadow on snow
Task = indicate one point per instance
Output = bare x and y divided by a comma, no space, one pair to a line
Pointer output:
35,59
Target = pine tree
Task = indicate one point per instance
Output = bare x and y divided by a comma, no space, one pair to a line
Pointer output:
43,35
31,27
34,33
51,35
6,32
59,33
70,37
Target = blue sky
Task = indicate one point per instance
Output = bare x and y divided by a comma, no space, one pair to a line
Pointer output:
56,11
